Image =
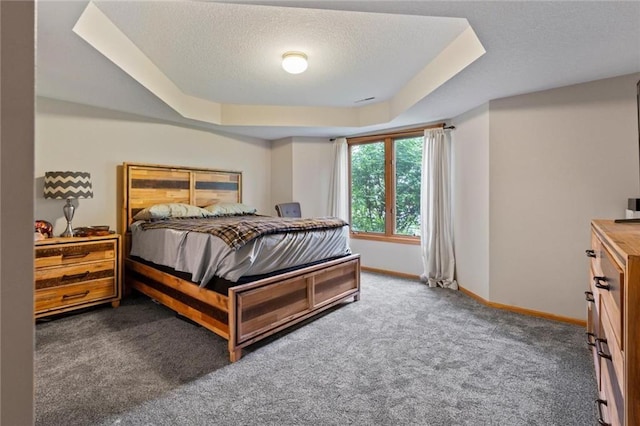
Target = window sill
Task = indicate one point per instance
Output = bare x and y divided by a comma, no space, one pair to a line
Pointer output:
386,239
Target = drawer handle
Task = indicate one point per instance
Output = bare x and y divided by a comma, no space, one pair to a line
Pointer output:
599,404
75,296
75,276
75,255
589,296
591,339
590,253
598,282
601,353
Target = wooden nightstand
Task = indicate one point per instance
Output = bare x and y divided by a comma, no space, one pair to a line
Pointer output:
77,272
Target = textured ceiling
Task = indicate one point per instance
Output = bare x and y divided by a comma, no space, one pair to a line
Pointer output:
232,53
283,106
228,53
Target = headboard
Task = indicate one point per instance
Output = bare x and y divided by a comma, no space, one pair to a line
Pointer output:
147,184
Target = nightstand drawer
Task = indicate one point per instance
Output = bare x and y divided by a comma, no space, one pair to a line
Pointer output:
57,255
72,274
59,297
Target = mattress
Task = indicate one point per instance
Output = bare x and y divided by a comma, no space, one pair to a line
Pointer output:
205,256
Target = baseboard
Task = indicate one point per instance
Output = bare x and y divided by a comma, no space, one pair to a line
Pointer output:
516,309
392,273
523,311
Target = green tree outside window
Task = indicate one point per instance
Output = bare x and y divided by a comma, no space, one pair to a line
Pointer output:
370,163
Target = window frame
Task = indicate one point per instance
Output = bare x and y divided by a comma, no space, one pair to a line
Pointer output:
390,185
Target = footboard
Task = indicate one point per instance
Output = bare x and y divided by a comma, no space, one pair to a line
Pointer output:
262,308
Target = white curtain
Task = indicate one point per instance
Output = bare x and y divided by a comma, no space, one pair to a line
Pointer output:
338,190
435,212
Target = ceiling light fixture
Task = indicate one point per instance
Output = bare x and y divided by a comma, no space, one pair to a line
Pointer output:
294,62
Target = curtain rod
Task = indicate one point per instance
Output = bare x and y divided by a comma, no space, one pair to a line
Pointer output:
442,126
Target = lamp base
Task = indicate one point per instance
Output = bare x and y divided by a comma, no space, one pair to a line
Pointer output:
68,232
68,211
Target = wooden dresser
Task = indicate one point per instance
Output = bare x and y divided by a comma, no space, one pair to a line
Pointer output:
613,321
76,272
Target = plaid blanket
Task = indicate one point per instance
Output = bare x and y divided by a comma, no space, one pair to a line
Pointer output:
237,231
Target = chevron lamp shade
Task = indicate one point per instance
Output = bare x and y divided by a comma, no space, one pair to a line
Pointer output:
65,185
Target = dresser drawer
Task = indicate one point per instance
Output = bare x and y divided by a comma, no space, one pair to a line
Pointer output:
610,392
596,247
611,366
593,331
72,274
594,290
63,254
69,295
611,347
611,287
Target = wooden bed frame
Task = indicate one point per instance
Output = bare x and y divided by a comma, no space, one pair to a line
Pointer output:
252,311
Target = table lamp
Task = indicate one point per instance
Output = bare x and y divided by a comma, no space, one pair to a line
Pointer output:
69,185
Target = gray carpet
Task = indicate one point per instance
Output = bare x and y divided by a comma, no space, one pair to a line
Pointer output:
405,354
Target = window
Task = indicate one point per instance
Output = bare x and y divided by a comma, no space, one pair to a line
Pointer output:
385,174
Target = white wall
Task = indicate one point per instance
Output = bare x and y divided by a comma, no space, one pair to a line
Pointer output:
281,173
558,159
394,257
470,164
301,171
312,168
76,137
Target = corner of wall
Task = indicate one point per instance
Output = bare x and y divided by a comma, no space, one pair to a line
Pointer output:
470,170
281,171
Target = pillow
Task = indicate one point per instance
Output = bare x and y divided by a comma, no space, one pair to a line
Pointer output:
165,211
229,209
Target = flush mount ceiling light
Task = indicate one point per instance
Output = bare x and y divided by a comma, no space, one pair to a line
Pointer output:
294,62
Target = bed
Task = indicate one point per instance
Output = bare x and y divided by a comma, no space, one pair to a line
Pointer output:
250,309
